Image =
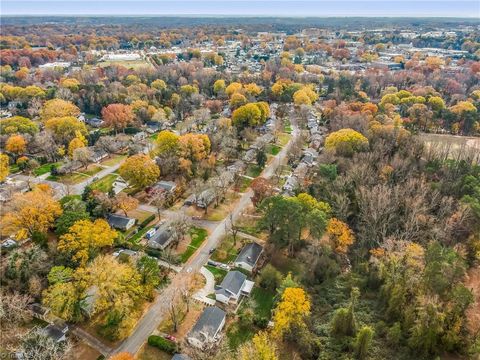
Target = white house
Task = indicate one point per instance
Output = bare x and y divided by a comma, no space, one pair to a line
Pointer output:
208,327
233,286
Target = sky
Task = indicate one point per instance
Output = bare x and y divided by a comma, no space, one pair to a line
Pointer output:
285,8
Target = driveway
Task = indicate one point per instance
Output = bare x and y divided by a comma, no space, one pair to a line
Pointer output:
209,288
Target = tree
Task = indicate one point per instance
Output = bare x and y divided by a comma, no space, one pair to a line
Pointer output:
18,125
83,155
16,144
261,158
340,235
262,188
291,311
58,108
123,355
261,347
344,322
85,238
32,212
219,86
77,142
118,116
4,167
166,143
125,202
363,341
64,129
194,147
67,219
149,272
247,115
140,171
270,277
233,88
38,345
345,142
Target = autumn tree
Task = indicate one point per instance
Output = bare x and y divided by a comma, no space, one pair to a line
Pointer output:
58,108
340,235
4,167
118,116
32,212
18,125
125,202
65,129
346,142
85,238
140,171
166,143
262,188
291,311
261,347
16,145
77,142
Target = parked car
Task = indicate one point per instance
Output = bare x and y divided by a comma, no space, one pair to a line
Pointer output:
170,337
212,250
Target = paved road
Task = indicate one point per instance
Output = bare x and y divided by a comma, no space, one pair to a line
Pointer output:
159,309
62,189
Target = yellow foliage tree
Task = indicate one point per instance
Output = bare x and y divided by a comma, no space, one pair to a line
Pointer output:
340,235
194,147
219,86
78,142
253,89
233,88
32,212
4,169
85,238
58,108
260,348
125,203
140,171
346,142
291,311
16,144
166,142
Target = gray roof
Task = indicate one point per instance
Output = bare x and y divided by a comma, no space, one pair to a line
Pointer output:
161,238
233,281
209,322
118,221
181,357
250,254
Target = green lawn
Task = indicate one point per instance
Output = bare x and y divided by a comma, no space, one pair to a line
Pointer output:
45,168
116,159
264,301
254,170
138,236
273,149
239,333
218,273
197,236
283,139
14,169
104,184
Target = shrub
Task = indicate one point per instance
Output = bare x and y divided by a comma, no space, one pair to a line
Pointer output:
146,221
162,344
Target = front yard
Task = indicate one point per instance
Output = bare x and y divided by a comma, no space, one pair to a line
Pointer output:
104,184
197,237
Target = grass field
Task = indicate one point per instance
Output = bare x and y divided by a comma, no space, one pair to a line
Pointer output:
77,176
116,159
197,237
45,168
254,171
218,274
104,184
226,250
454,142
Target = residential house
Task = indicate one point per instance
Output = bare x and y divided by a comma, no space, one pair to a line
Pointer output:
98,154
207,329
57,332
120,222
181,357
205,198
162,186
162,237
94,122
249,256
119,184
233,286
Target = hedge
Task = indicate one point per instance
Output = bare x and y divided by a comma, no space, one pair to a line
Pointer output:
146,221
163,344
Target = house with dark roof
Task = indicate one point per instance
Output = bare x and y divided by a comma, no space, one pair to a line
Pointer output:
181,357
233,286
249,256
207,329
120,222
162,237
